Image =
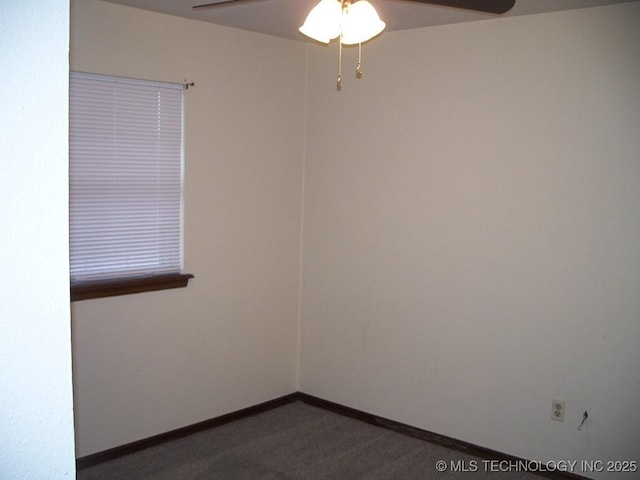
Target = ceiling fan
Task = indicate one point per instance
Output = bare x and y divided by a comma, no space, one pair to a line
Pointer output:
487,6
356,21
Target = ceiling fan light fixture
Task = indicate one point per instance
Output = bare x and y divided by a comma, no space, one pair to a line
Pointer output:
323,22
356,21
360,22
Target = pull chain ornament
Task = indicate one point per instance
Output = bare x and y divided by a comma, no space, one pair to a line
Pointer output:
339,83
359,67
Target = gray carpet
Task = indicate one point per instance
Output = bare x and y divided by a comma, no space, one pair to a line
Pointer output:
296,441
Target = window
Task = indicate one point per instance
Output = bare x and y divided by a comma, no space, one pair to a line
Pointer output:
125,181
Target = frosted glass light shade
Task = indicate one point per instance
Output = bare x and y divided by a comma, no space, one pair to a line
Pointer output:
323,22
360,23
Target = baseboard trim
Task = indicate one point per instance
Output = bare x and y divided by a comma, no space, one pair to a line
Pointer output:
452,443
122,450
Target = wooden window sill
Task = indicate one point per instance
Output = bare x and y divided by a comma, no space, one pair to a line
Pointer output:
126,286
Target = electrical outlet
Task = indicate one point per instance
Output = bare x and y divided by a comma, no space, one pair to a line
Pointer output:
557,410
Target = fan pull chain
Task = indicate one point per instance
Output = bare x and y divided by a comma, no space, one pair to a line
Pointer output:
359,67
339,84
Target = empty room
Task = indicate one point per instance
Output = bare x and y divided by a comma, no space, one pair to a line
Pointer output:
450,243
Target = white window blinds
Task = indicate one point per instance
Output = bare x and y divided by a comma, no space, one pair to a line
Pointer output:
125,177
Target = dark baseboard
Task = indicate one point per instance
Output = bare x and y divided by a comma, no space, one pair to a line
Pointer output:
122,450
452,443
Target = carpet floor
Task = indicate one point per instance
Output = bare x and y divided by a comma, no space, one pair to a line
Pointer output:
296,442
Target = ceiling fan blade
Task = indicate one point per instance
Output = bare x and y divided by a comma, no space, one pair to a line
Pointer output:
488,6
220,3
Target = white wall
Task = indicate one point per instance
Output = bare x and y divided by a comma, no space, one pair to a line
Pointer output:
36,402
149,363
472,232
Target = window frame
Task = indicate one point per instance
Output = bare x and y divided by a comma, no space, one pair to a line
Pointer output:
146,282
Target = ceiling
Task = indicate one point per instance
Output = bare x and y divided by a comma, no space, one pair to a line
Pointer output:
283,17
